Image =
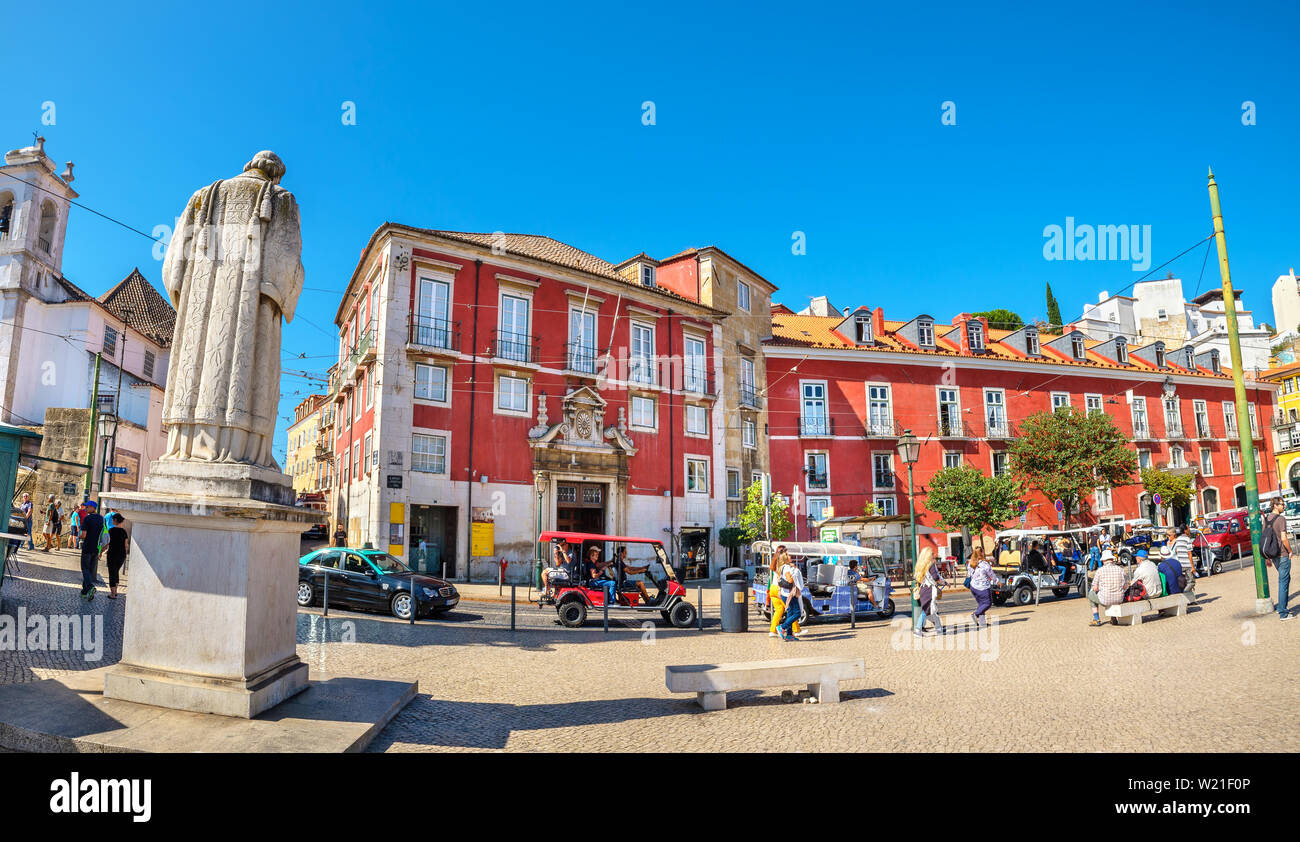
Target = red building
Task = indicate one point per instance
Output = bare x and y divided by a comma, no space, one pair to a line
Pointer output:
843,388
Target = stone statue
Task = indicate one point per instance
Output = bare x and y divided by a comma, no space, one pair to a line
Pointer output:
233,268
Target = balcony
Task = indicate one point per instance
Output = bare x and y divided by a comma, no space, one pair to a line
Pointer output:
514,347
882,428
749,396
425,333
580,358
1173,429
817,481
999,428
816,427
1141,432
1203,429
953,429
1282,420
698,381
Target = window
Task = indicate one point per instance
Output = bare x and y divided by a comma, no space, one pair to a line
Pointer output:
817,475
995,412
641,366
430,383
365,456
356,461
925,333
882,471
374,309
1207,463
999,463
647,275
742,296
149,362
512,394
951,459
813,411
747,394
949,413
1161,315
348,416
1234,460
1031,342
880,415
1288,386
1077,349
1144,459
1255,452
885,505
697,420
513,340
1103,499
1160,356
110,341
1140,427
432,329
697,476
1230,418
975,335
370,387
1060,400
643,412
45,238
748,433
1176,457
1202,419
582,341
429,453
1254,424
817,507
733,484
862,330
1121,352
1092,403
694,369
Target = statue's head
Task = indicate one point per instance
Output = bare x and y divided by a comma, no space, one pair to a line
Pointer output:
268,163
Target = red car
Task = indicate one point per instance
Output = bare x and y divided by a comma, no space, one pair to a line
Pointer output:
658,592
1225,535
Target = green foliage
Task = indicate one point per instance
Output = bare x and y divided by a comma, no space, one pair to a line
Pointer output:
1002,319
964,497
751,517
870,510
1053,309
731,537
1066,455
1174,489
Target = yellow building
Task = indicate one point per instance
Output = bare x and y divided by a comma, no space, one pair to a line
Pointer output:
1286,424
310,475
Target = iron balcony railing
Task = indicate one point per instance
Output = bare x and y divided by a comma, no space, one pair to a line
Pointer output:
1173,429
999,428
953,429
1141,431
698,380
516,347
816,426
883,481
428,332
817,481
1203,429
580,357
643,370
1281,420
882,428
749,395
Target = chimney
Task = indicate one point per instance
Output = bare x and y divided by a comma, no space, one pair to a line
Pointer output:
1104,295
848,311
878,322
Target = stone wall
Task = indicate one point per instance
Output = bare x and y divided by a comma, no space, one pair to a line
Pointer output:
64,435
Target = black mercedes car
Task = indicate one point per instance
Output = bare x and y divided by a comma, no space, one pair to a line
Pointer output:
371,580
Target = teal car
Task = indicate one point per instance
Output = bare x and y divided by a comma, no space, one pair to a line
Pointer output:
371,580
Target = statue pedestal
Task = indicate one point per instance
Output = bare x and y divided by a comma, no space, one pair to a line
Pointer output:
211,616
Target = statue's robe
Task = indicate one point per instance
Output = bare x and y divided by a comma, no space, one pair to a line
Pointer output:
233,268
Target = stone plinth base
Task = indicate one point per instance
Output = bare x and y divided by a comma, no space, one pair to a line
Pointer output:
219,480
211,625
1264,606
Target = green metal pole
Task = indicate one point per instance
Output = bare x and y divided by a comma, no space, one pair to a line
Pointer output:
94,422
1244,434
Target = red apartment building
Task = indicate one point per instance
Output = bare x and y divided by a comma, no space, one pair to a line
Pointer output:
843,388
493,385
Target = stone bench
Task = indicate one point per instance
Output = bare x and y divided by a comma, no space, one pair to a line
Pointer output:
1130,613
710,682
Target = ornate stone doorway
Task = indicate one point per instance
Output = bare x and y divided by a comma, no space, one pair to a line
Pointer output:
580,507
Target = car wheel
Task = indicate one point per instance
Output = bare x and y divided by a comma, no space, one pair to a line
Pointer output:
1023,595
306,594
682,615
1217,567
1060,593
401,605
573,613
889,610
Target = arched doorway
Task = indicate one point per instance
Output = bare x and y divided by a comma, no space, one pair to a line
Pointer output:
1209,501
1293,476
1240,493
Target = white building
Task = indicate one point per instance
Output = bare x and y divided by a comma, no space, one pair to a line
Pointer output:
1158,310
1286,304
51,329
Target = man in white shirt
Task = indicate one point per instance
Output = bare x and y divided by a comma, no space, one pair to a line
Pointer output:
1149,574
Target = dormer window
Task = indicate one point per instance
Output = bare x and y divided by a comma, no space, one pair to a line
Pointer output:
925,333
862,330
1121,352
1076,347
1160,356
975,335
1031,342
647,275
1214,360
1189,358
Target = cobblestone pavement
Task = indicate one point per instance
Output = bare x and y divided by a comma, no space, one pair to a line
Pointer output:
1042,681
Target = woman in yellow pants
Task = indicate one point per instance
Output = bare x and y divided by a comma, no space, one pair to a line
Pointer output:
779,559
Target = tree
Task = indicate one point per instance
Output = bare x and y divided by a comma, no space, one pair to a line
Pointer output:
1174,489
869,509
751,520
964,498
1002,319
1053,309
1066,455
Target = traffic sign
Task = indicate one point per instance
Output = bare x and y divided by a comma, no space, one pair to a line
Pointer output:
1023,507
1060,505
830,535
114,469
1156,499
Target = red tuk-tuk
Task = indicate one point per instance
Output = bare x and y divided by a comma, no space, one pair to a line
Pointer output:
621,567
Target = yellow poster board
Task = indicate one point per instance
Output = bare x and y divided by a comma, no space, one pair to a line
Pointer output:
396,522
482,539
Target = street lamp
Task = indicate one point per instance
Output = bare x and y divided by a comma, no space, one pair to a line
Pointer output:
107,430
909,450
542,481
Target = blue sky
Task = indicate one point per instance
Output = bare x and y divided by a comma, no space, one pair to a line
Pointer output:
769,119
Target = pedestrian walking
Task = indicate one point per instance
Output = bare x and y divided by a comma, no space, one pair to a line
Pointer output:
74,527
981,585
58,524
779,560
27,509
119,543
92,526
340,536
1276,547
792,588
51,515
1094,552
926,585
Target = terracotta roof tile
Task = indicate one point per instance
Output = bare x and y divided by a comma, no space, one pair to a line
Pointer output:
149,311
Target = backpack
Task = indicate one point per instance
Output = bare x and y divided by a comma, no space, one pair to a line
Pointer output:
1135,592
1270,545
